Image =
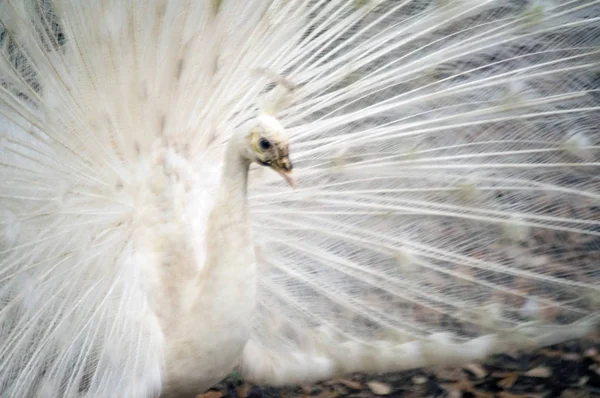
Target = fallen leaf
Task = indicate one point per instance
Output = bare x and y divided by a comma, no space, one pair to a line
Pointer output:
210,394
591,352
477,370
328,394
551,353
243,390
307,389
355,385
419,380
501,374
571,356
450,374
508,380
462,385
379,388
540,371
454,394
504,394
484,394
574,394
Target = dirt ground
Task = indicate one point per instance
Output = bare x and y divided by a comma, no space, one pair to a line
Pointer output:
569,370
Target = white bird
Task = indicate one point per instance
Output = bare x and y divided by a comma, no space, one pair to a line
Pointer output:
446,154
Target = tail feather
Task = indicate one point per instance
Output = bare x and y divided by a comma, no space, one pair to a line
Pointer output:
327,356
447,155
446,152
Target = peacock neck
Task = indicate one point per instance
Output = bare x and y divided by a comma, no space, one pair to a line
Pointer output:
233,190
228,232
216,325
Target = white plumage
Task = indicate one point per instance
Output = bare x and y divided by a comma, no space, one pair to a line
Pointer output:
448,201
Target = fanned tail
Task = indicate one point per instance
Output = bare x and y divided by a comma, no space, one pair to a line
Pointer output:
326,354
448,195
447,153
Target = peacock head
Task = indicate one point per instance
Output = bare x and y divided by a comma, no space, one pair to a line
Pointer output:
269,147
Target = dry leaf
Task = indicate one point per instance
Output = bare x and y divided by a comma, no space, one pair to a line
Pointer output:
574,394
307,389
355,385
571,356
551,353
462,385
328,394
540,371
210,394
379,388
454,394
484,394
477,370
504,394
508,381
591,352
419,380
499,374
243,390
450,374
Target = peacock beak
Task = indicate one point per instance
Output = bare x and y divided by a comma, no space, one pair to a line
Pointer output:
283,167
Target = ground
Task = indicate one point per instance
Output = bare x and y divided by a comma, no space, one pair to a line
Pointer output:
569,370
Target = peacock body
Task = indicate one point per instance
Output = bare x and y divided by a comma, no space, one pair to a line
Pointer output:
447,206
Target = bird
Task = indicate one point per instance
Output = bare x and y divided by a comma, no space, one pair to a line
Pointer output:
294,189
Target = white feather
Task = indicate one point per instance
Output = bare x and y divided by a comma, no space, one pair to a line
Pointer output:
441,148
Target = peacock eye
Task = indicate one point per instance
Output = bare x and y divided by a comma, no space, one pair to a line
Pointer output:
264,144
